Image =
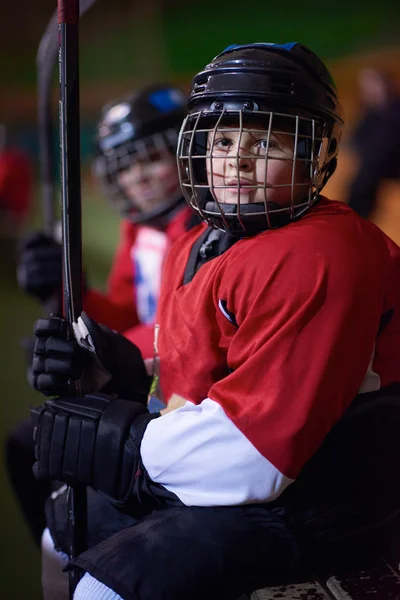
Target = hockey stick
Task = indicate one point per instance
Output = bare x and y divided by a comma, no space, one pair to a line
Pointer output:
68,19
46,59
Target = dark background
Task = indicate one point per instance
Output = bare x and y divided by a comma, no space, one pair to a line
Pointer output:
124,44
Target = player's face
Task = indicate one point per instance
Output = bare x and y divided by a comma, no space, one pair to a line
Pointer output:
238,162
150,179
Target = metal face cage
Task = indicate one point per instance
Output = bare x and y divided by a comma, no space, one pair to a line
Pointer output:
113,160
247,205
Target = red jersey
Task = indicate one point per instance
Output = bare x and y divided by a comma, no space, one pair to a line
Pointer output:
133,286
15,182
269,344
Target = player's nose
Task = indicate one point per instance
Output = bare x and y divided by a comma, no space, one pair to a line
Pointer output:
240,160
139,171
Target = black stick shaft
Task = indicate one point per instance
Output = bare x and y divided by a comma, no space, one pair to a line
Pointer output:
45,61
70,170
46,164
68,17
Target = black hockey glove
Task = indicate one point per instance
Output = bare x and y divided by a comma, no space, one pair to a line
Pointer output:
99,358
39,270
94,441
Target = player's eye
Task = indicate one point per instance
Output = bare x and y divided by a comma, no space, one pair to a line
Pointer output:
264,144
222,144
270,145
155,156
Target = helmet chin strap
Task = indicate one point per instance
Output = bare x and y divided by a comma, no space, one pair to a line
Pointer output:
252,215
245,209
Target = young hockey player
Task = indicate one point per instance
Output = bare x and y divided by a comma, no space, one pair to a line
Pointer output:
278,340
135,164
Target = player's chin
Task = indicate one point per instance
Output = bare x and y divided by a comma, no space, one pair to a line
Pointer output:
147,197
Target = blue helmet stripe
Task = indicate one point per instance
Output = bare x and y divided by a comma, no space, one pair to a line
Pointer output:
288,46
167,100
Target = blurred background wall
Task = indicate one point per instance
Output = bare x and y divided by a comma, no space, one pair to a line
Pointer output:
124,44
128,42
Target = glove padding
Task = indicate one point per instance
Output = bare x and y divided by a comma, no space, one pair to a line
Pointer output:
103,360
94,441
39,271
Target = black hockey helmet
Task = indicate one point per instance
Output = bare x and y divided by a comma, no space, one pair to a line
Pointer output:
285,88
141,126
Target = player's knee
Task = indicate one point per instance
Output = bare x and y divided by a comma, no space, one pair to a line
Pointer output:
90,588
54,580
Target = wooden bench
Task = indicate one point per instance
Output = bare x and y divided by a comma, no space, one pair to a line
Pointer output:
378,581
375,577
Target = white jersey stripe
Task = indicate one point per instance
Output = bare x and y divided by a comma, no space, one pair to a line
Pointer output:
372,380
197,453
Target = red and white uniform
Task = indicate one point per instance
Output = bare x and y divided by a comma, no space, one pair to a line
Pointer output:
133,285
317,306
